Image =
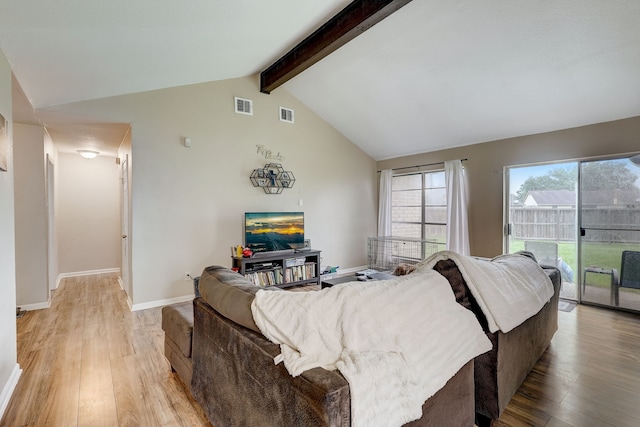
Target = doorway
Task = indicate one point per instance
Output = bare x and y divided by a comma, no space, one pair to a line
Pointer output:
584,218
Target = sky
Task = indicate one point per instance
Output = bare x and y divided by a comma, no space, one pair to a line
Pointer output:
518,175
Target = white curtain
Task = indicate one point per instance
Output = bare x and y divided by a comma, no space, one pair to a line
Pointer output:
457,221
384,205
380,250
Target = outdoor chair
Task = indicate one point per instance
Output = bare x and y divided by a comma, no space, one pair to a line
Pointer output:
629,273
545,252
615,280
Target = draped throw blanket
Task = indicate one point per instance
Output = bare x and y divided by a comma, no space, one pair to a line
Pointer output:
397,341
509,288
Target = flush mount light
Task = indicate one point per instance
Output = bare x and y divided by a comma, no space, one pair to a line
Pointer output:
88,154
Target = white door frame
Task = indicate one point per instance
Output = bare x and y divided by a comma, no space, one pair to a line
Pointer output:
52,253
124,221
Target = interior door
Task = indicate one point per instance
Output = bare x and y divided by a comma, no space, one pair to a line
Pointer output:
610,227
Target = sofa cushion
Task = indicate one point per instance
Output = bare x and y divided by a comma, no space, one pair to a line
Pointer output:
230,294
177,323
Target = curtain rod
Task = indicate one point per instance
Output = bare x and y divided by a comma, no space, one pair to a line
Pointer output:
421,166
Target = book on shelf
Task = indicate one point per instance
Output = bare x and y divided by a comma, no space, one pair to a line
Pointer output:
265,278
300,272
292,262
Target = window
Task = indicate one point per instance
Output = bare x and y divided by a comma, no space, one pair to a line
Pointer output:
419,206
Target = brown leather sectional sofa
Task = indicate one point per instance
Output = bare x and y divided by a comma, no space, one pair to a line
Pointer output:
230,371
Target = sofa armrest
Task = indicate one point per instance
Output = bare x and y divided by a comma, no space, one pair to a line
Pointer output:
230,294
237,383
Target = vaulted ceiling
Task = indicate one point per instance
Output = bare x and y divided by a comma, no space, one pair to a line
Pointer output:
435,74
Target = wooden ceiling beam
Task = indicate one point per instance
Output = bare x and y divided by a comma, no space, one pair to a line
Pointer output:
353,20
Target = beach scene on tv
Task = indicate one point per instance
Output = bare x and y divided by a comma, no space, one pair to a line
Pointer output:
274,231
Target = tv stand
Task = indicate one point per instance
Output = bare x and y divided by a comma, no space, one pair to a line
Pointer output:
272,253
281,268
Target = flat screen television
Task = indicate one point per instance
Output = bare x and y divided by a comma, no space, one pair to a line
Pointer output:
273,231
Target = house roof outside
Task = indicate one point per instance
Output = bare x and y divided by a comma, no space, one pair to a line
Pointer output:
589,198
550,198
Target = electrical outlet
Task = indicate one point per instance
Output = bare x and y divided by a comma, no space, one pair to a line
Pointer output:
187,276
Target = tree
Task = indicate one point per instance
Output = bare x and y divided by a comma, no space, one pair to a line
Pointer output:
602,175
608,175
555,179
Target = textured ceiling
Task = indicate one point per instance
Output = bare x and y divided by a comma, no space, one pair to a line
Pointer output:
435,74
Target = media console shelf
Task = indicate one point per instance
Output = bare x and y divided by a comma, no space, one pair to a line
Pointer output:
281,269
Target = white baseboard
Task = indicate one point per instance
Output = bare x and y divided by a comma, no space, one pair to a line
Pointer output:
9,387
159,303
129,303
85,273
36,306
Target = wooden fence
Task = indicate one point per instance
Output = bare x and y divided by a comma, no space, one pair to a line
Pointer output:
616,224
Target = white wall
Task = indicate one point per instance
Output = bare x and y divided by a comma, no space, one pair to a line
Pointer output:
9,368
188,203
486,162
87,213
32,290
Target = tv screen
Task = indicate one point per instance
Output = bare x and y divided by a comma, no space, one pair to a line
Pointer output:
273,231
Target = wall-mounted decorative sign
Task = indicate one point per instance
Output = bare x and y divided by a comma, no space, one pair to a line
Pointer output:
268,154
272,178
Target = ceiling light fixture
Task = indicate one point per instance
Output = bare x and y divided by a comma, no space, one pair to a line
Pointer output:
88,154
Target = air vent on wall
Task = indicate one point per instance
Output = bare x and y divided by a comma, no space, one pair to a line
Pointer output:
244,106
286,115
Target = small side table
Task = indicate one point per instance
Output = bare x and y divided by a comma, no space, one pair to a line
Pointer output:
614,281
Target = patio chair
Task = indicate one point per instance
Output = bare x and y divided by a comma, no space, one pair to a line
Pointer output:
546,253
629,273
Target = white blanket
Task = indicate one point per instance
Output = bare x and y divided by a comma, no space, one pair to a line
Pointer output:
397,341
509,288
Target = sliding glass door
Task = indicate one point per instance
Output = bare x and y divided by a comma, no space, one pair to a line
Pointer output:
584,218
610,232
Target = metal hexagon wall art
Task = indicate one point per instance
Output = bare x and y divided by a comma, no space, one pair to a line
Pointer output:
272,178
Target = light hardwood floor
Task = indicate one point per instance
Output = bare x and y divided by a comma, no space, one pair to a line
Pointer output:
89,361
